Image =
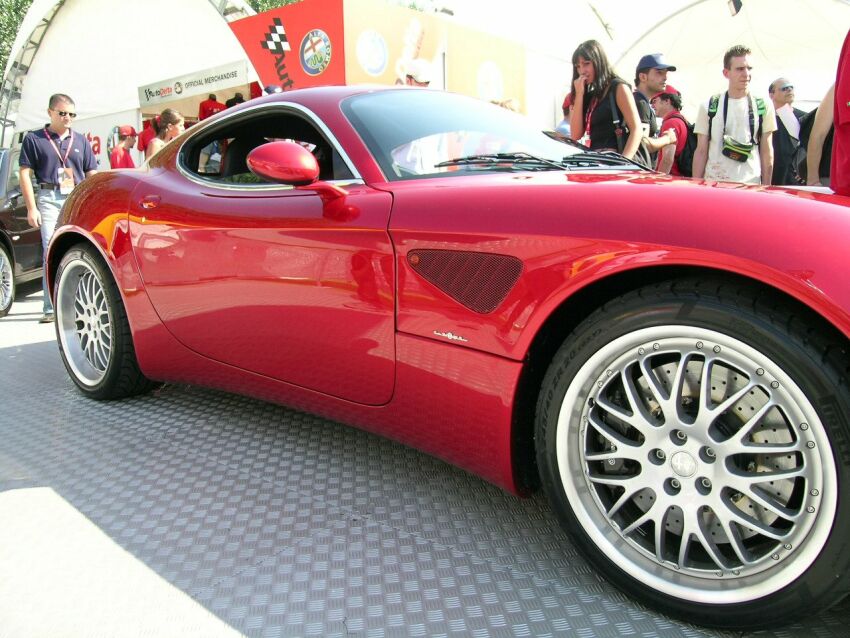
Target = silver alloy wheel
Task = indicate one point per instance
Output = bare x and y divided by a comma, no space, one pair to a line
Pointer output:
7,282
696,464
84,321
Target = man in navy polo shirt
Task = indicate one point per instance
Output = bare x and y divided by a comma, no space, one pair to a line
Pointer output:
60,159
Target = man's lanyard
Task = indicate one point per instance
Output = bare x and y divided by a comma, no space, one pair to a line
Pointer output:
57,148
751,116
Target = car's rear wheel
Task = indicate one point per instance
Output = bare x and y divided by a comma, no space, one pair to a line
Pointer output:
7,281
92,328
694,441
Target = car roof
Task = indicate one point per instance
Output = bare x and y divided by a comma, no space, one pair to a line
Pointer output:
329,93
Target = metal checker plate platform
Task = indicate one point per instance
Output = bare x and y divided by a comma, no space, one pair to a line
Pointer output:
191,512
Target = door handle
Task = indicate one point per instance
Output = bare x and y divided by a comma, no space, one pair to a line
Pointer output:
149,201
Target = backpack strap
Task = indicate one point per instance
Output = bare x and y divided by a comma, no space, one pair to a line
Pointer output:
713,104
616,118
761,109
679,116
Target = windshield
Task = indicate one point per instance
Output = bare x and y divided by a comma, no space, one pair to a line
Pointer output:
411,132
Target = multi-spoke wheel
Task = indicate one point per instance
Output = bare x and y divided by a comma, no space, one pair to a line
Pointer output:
92,328
689,443
7,281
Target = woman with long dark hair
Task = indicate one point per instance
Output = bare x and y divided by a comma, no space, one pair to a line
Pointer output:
168,125
594,81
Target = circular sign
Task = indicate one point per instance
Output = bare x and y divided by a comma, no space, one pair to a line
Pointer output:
372,52
315,52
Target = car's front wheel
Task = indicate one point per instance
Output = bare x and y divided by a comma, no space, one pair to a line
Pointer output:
7,281
92,328
693,438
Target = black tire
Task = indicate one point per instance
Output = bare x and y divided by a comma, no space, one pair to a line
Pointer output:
7,281
629,443
92,328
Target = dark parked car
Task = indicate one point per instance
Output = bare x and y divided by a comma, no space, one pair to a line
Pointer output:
20,244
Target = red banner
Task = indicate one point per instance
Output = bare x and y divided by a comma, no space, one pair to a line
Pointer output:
297,45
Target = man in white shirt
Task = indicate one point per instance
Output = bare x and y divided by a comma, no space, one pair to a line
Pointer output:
734,129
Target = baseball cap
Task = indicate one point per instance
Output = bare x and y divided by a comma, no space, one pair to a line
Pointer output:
126,131
669,89
654,61
419,70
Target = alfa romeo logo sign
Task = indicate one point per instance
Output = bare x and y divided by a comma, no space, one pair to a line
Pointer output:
315,52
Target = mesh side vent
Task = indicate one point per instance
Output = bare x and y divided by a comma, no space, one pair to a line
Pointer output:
479,281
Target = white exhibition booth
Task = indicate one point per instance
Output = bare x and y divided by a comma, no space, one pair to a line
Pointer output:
113,56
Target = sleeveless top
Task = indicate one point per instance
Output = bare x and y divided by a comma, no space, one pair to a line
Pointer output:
602,134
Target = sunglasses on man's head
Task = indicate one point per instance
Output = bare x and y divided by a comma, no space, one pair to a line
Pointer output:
64,113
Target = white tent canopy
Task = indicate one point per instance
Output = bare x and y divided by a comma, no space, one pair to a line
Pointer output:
101,51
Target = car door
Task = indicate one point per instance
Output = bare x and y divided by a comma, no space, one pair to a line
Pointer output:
26,240
282,281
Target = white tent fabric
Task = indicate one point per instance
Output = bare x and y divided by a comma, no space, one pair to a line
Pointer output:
100,51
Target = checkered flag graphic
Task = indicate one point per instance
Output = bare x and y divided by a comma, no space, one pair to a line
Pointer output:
276,41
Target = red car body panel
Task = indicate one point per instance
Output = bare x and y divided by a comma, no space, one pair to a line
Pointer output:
309,299
603,225
248,284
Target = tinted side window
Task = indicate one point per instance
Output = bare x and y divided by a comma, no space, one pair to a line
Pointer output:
220,155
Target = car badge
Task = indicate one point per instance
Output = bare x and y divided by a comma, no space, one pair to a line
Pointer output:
450,336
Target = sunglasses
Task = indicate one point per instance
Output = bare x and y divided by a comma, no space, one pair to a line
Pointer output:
64,113
789,87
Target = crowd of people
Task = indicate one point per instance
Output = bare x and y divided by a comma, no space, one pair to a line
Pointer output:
737,136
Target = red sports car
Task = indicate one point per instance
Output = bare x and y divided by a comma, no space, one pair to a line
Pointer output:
666,358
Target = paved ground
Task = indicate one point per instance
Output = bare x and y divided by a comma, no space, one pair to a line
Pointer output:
197,513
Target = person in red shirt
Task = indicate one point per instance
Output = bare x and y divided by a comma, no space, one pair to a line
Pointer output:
667,105
148,133
840,167
120,156
209,107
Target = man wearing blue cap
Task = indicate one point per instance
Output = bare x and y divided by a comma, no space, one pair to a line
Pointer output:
650,80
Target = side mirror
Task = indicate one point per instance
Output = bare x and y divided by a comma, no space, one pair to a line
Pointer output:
285,163
11,199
